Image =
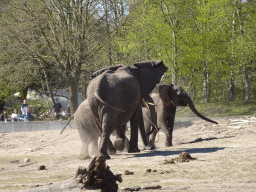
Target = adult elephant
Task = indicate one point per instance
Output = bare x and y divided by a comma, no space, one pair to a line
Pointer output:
166,102
114,97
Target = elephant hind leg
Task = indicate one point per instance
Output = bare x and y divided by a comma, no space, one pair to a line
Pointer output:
111,148
108,126
94,147
84,154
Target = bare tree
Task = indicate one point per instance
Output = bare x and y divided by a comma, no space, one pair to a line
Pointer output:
59,35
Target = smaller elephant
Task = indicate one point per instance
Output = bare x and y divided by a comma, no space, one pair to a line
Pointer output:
166,102
89,133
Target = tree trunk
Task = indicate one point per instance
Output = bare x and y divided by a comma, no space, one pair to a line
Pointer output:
246,79
1,106
23,94
224,96
73,99
84,85
232,84
247,85
206,87
175,51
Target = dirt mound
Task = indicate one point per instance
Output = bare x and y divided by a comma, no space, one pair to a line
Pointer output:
98,176
183,157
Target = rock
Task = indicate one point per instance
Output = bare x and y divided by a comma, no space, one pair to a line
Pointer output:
15,161
127,172
41,167
26,160
153,187
132,189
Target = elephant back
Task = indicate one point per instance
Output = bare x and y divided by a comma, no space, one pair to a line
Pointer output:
118,90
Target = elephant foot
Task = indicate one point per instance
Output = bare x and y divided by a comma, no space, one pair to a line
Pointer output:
152,145
168,141
168,144
106,156
83,157
135,150
119,144
112,152
149,148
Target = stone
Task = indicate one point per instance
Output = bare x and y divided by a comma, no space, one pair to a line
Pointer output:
26,160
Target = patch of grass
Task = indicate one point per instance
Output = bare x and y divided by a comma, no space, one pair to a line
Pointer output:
220,109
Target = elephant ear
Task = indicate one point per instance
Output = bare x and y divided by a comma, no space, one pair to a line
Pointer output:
149,74
165,94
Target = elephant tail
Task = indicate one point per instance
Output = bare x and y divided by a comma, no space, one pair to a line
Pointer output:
146,104
116,109
155,127
67,124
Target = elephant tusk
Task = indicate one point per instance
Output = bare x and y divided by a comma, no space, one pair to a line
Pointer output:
144,103
152,104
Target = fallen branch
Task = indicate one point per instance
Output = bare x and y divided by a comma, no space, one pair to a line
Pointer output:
27,164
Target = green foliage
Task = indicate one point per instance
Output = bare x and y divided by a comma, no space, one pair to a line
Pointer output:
219,109
54,42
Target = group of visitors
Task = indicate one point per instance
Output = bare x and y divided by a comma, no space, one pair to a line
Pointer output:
27,116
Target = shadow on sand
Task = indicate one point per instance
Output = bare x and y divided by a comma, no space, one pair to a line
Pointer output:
168,153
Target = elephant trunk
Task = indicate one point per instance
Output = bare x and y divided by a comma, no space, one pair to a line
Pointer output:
192,107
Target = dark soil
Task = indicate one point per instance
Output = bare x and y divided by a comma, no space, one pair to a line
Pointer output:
183,157
98,176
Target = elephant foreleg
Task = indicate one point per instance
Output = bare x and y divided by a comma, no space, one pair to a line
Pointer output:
169,131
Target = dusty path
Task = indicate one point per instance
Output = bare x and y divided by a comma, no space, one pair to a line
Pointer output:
225,159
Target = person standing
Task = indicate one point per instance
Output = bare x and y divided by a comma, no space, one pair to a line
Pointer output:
57,109
4,116
23,107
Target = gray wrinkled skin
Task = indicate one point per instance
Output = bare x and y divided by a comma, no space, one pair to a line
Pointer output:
166,102
114,98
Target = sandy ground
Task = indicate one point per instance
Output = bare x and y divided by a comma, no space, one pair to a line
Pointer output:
225,159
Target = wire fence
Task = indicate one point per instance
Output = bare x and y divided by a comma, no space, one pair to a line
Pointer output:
21,126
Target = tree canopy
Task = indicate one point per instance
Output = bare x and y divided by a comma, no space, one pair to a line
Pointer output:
208,46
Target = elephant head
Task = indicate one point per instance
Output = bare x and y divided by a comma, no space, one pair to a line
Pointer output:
175,95
149,74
